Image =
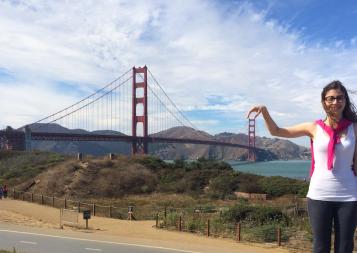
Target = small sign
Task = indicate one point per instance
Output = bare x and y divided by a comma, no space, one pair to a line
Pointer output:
86,214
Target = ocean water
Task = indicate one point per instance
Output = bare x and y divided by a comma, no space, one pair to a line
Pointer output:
298,169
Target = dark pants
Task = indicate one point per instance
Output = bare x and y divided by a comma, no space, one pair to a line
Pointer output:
343,215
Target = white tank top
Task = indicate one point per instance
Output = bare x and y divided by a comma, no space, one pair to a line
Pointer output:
338,184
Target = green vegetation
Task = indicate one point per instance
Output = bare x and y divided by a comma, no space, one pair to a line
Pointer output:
16,166
6,251
216,179
141,175
255,215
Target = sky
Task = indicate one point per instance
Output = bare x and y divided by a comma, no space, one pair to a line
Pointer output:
215,59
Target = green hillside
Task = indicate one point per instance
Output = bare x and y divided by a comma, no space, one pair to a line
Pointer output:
98,177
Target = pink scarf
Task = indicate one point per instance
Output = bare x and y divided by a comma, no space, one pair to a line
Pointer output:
334,139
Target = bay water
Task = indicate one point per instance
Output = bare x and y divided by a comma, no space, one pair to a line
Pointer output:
297,169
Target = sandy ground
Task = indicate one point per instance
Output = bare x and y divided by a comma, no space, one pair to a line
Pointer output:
46,220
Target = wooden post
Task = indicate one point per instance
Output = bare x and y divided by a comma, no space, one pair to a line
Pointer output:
180,224
208,228
65,203
157,220
42,199
23,196
238,230
53,201
93,207
31,197
279,236
14,193
110,211
165,215
79,206
61,218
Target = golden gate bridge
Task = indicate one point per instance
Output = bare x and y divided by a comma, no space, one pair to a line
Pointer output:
133,108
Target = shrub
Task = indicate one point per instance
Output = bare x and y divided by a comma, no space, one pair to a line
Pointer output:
265,215
278,186
265,233
195,225
136,179
223,185
237,213
171,219
255,215
151,162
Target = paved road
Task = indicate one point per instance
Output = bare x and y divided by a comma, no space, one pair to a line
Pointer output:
29,242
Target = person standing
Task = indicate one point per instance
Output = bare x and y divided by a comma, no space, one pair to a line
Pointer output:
1,192
5,191
332,194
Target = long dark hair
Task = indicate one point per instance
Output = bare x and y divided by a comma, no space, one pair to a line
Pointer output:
350,111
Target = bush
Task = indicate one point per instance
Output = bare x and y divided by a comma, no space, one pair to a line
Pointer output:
237,213
266,215
255,215
171,219
151,162
265,233
278,186
223,186
136,179
195,225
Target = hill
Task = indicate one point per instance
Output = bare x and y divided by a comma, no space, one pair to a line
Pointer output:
57,175
276,148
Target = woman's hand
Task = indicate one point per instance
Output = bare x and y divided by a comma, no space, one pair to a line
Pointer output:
257,109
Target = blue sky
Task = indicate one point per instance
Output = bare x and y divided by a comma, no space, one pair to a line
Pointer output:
215,59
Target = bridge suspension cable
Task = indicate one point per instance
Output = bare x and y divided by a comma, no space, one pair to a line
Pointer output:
102,110
172,103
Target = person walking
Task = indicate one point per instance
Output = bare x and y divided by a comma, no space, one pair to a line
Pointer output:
332,194
5,191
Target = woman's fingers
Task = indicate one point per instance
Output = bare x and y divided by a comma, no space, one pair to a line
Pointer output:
256,109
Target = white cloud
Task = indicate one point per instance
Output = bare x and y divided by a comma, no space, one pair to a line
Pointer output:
195,50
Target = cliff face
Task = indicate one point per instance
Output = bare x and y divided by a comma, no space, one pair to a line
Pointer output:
275,148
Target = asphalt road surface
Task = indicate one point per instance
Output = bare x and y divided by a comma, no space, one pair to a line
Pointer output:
28,242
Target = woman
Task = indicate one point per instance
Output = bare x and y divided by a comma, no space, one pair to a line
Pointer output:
332,195
5,190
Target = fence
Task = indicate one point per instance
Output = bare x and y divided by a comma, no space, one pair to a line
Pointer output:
64,203
296,236
209,223
205,221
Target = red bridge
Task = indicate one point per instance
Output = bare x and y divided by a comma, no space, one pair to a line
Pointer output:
133,108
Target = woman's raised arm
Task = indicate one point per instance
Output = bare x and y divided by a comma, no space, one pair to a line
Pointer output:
304,129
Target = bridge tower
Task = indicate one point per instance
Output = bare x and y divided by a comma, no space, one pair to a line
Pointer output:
139,144
251,140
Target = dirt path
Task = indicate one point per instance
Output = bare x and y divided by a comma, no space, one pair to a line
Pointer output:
47,218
